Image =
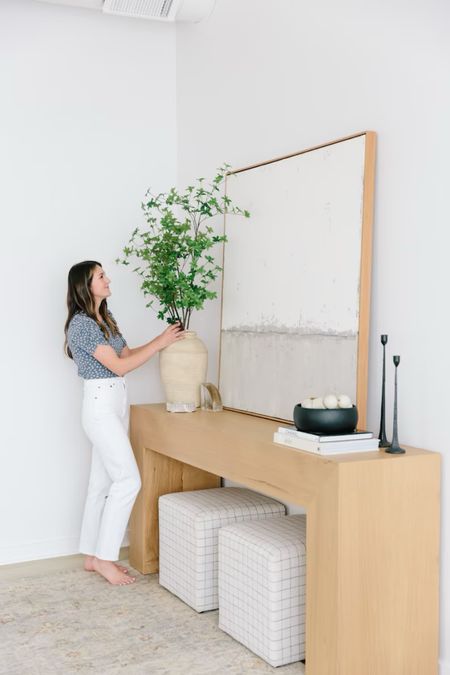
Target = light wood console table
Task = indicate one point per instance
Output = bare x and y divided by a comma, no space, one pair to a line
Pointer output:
372,534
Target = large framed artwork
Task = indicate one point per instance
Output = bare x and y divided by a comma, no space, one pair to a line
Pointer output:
296,279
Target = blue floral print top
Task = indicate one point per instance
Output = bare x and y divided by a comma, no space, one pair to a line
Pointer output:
83,337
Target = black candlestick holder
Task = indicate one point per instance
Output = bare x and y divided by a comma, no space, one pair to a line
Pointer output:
395,449
384,443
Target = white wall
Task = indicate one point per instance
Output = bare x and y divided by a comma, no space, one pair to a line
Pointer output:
87,123
262,79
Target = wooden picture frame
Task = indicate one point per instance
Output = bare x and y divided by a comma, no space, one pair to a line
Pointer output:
308,241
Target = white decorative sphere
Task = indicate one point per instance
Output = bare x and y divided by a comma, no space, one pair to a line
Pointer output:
318,402
330,401
344,401
307,403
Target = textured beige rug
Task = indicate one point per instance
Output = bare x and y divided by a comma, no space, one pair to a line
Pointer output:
74,622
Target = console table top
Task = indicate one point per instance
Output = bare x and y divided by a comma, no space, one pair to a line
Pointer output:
246,429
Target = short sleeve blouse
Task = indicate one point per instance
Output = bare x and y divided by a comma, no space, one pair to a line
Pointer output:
83,337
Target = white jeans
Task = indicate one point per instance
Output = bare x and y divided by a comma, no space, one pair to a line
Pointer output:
114,481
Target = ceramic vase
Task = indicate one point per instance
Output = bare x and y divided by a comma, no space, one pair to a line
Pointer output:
183,366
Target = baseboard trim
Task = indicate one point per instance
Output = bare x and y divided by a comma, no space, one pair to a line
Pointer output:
31,568
38,549
44,549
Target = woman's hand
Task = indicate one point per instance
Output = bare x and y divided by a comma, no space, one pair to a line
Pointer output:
133,358
173,333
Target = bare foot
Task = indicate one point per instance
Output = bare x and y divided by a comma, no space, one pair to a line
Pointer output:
89,565
111,573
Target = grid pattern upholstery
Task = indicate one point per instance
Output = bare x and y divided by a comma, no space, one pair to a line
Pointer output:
262,578
189,523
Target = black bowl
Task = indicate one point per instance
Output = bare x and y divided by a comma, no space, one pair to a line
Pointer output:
325,421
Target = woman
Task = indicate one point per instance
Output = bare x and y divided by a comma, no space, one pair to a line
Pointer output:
94,342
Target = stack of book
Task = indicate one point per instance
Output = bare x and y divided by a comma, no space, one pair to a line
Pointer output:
357,441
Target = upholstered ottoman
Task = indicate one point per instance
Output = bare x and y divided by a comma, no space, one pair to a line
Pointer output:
189,523
262,570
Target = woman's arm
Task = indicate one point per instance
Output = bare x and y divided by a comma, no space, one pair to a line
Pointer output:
123,364
126,351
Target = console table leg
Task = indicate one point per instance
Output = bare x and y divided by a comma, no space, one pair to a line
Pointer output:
373,570
160,475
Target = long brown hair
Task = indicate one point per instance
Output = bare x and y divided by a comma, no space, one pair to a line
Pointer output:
80,299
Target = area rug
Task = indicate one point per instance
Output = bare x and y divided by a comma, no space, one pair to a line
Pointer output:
75,622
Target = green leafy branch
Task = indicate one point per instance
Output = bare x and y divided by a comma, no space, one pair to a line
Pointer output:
175,265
